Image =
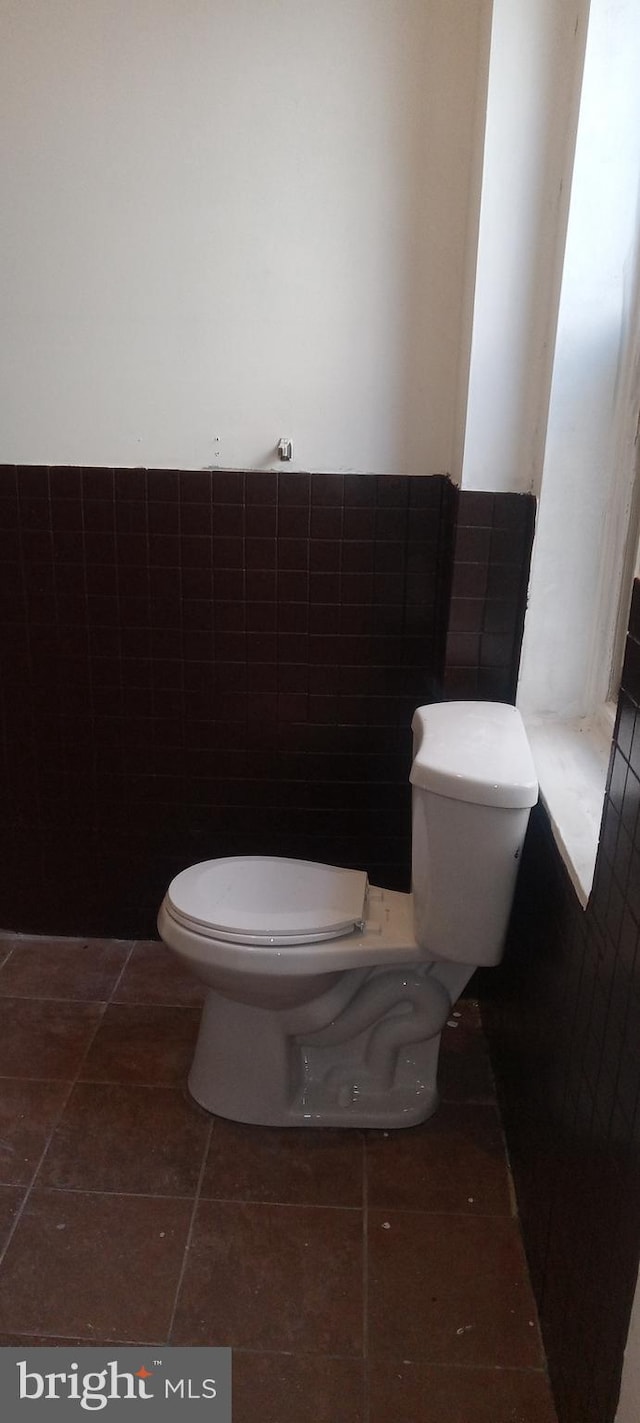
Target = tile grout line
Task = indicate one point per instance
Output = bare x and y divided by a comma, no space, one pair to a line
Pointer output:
460,1215
61,998
20,941
187,1244
91,1081
87,1341
125,965
365,1282
19,1213
396,1358
104,1005
291,1354
109,1002
188,1196
63,1105
72,1082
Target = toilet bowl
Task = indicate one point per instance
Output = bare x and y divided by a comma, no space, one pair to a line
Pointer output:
327,995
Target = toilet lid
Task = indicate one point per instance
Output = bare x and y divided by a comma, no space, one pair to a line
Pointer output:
263,900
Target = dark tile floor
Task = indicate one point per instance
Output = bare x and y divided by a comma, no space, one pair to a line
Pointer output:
360,1277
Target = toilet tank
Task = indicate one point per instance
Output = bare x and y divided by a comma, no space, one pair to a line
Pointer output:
474,783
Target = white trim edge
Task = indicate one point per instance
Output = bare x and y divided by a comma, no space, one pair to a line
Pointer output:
571,758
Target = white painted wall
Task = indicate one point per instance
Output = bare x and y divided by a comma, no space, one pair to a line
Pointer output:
537,49
593,409
224,221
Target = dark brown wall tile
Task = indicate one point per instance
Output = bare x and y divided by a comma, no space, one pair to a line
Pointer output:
154,619
180,642
564,1021
491,557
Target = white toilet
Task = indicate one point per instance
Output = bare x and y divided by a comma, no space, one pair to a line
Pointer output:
327,996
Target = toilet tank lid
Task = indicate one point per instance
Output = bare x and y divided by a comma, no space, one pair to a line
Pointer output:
474,751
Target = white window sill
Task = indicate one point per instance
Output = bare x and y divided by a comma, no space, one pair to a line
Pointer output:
571,758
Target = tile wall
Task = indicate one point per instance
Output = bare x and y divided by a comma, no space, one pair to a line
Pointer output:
565,1029
491,556
195,664
198,664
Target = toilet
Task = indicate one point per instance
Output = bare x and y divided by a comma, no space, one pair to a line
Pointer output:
327,995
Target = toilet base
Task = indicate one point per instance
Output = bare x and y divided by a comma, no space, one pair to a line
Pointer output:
360,1068
392,1111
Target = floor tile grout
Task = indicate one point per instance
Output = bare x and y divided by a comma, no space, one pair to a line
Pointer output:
10,1077
193,1008
31,1183
448,1215
47,998
308,1354
124,1195
124,966
282,1205
87,1341
185,1255
63,1106
85,1082
19,941
395,1358
189,1196
266,1204
294,1353
108,1002
459,1365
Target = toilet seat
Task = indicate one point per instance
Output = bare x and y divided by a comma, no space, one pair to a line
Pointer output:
384,938
265,900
